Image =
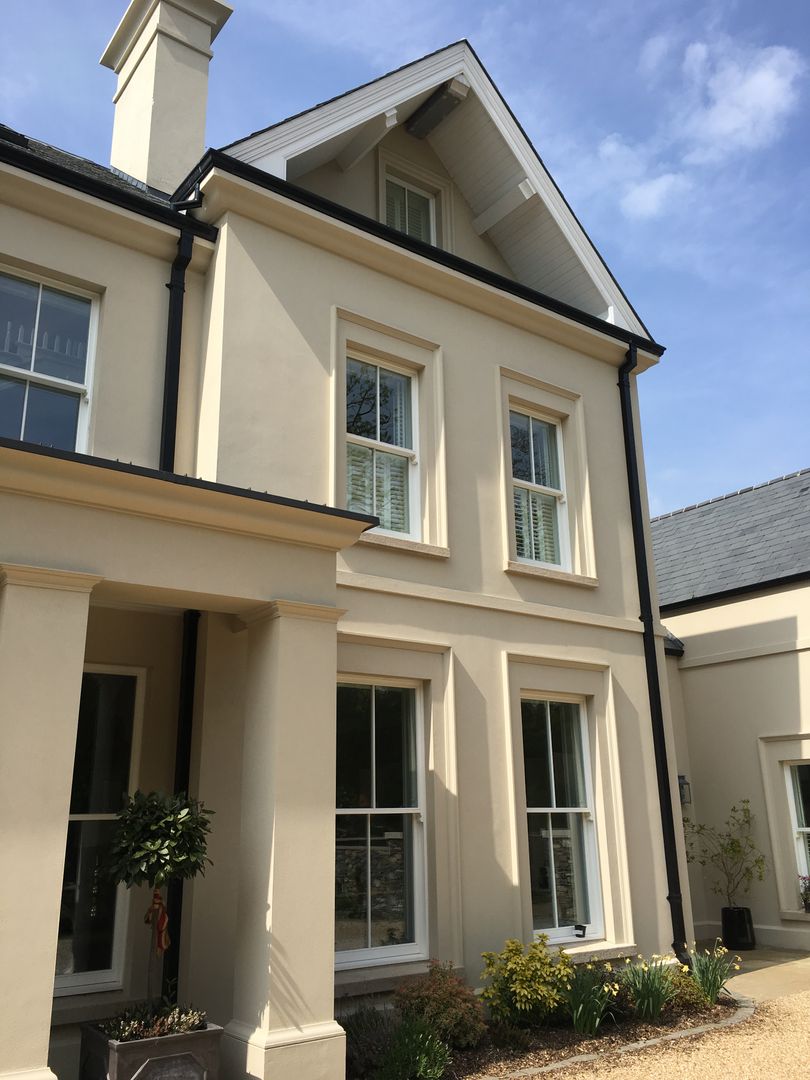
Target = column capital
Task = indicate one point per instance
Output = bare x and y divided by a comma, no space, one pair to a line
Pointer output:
43,577
294,609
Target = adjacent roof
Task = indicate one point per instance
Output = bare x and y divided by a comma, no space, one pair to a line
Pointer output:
513,198
752,538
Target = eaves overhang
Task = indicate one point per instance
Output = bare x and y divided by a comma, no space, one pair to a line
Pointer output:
696,603
216,160
80,479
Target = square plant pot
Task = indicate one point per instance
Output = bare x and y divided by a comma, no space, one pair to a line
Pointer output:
191,1055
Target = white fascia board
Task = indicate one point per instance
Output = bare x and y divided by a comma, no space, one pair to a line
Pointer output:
326,122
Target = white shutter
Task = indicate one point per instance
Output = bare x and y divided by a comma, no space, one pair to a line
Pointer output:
419,216
545,543
359,479
522,524
395,214
391,478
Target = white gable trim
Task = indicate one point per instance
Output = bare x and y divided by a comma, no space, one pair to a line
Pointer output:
271,150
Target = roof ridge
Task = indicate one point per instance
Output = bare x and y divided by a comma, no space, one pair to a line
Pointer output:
730,495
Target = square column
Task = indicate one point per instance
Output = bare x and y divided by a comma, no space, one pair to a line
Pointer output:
283,1024
43,625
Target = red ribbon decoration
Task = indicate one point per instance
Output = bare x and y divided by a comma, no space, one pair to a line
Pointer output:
158,917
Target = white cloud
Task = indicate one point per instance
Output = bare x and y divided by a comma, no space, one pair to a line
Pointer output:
651,198
654,52
741,99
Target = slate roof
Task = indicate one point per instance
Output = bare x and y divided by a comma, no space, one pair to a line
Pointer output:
758,535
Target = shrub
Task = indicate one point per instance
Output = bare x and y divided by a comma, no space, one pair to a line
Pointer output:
589,995
445,1004
415,1053
689,996
712,969
730,852
369,1034
148,1021
525,985
650,987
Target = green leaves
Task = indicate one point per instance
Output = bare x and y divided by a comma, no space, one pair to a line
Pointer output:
159,838
730,852
525,986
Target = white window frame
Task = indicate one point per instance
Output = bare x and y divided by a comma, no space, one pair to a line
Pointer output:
417,949
563,533
595,928
82,390
411,455
393,178
112,978
801,833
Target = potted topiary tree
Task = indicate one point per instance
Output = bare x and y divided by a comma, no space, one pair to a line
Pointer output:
736,861
159,838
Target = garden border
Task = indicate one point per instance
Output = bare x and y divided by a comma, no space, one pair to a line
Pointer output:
744,1011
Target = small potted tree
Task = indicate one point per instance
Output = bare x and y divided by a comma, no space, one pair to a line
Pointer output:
804,891
159,838
736,861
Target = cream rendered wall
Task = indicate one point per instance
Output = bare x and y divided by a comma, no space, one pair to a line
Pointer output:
151,643
127,387
358,189
745,682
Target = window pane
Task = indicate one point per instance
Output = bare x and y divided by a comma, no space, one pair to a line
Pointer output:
361,399
801,786
359,479
12,399
64,326
51,418
543,516
419,216
540,872
566,742
395,206
521,451
87,913
354,746
395,409
391,496
351,882
395,752
570,875
546,467
391,879
536,760
103,743
18,311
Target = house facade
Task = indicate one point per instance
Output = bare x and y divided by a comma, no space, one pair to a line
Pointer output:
412,680
733,585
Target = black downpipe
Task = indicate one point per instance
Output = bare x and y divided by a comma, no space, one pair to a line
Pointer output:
174,334
182,776
651,661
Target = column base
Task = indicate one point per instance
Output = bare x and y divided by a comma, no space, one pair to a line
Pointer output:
315,1051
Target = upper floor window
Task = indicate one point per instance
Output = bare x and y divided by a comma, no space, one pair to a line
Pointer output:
410,210
537,490
44,346
799,786
379,863
381,470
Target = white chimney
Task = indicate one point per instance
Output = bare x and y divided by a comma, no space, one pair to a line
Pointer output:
160,53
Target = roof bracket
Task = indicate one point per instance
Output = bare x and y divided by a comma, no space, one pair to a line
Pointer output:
496,211
366,139
437,107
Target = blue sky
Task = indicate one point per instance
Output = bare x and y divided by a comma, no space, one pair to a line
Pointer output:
677,129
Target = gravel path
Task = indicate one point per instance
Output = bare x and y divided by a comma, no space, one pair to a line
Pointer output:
773,1045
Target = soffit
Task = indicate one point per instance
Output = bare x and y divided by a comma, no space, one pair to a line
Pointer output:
490,160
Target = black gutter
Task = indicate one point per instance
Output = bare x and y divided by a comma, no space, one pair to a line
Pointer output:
674,895
182,777
216,159
131,469
31,162
174,334
738,590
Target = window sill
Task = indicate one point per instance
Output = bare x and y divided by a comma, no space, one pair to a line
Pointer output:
795,916
585,951
566,576
89,1007
412,547
354,982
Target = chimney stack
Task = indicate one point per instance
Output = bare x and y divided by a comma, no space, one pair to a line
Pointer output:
160,53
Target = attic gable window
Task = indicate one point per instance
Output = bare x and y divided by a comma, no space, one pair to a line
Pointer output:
410,210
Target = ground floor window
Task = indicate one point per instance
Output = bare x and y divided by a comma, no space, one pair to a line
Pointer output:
379,858
559,806
92,913
800,789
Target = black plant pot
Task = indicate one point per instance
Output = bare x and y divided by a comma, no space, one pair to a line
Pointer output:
738,928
